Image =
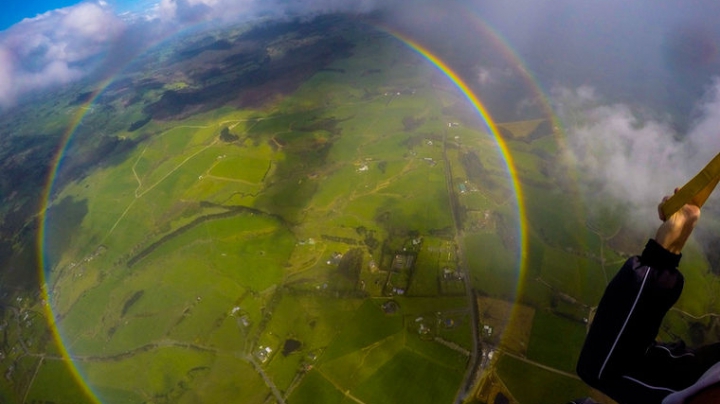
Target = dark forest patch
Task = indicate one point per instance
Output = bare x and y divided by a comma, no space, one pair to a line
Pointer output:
326,124
117,85
473,167
131,301
411,123
231,211
250,79
226,136
82,98
290,346
382,166
242,58
413,141
338,239
139,124
351,264
191,52
148,84
273,29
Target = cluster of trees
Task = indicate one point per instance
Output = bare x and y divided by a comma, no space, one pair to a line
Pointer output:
473,167
226,136
411,123
129,302
369,237
351,264
139,123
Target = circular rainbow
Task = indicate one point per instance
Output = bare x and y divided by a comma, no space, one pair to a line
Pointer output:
441,65
492,128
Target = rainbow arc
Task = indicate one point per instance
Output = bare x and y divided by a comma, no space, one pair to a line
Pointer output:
432,58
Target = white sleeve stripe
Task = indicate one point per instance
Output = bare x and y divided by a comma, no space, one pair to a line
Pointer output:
672,355
625,323
649,386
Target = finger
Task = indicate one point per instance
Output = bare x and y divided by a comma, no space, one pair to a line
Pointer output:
661,215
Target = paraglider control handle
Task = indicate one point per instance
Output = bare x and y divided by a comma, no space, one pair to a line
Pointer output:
697,190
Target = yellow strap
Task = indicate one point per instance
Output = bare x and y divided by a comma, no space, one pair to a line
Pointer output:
697,190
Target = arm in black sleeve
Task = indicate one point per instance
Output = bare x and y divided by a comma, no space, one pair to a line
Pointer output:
627,322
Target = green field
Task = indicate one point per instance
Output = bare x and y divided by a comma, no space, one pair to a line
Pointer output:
531,384
551,335
181,254
322,253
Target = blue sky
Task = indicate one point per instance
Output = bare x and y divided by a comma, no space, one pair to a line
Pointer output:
15,11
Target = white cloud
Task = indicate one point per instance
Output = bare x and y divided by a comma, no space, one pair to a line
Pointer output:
488,75
484,76
704,136
7,92
90,21
630,157
65,44
51,48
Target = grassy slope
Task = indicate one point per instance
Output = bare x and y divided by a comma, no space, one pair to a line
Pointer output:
236,262
532,385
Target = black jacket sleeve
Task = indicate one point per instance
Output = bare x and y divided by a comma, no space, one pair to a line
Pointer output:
627,322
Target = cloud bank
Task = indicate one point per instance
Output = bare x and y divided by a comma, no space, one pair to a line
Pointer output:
54,48
232,10
629,155
66,44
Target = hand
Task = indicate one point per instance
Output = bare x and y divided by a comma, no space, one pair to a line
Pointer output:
676,229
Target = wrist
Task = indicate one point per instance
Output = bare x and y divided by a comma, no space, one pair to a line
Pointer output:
657,255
